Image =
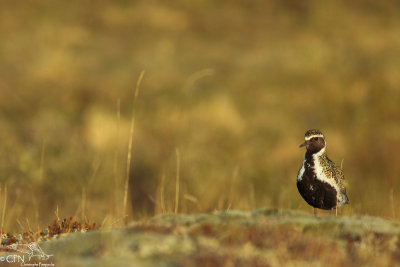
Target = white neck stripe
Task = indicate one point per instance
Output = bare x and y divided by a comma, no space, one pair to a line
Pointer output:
312,136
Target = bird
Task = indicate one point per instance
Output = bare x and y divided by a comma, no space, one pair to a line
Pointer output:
320,181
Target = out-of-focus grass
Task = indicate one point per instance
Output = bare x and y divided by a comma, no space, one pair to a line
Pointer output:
232,85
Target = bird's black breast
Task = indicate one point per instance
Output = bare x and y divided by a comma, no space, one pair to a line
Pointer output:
316,193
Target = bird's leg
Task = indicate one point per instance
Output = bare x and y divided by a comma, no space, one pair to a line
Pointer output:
315,212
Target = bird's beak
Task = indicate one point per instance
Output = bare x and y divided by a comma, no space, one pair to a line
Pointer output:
304,144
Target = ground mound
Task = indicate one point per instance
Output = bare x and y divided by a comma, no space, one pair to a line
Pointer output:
263,237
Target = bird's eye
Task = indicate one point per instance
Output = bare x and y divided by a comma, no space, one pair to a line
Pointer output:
315,139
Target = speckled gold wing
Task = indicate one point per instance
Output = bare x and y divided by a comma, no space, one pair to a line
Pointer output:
337,174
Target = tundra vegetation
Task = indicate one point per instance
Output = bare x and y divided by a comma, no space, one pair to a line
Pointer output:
115,112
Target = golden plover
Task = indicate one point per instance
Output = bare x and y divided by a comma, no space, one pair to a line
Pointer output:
319,181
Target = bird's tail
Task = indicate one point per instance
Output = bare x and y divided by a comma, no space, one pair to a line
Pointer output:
346,199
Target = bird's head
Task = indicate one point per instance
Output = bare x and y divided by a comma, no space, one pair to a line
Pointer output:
314,141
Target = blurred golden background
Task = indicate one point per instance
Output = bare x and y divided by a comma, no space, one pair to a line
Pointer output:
231,86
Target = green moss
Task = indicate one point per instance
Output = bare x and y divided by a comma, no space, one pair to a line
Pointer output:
261,236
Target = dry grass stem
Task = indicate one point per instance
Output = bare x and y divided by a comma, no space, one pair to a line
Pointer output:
116,159
41,173
83,204
130,143
177,181
3,214
232,186
162,197
56,213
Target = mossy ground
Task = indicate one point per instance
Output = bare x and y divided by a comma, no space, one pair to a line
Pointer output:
263,237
